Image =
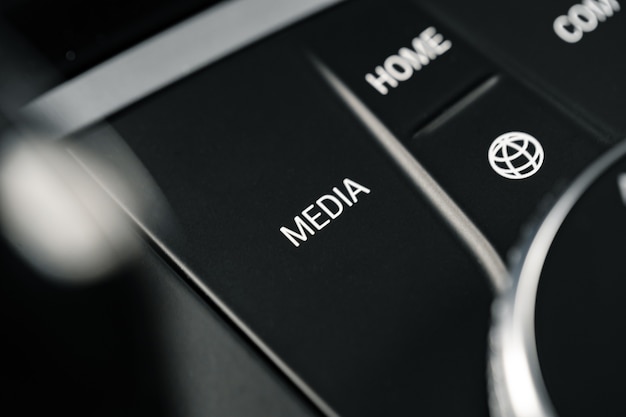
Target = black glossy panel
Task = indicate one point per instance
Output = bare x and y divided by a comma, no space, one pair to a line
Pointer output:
432,66
382,311
580,303
584,76
456,153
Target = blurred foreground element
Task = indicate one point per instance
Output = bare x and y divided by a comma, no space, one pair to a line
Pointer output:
79,350
56,216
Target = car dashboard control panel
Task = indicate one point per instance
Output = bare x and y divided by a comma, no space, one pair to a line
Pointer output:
345,187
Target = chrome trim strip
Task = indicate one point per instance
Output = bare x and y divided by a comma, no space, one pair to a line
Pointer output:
518,388
146,227
162,60
465,229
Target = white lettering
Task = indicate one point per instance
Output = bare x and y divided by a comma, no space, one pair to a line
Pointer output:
398,68
401,66
566,31
302,227
338,206
342,196
378,82
602,8
353,189
313,219
583,18
435,42
419,56
328,204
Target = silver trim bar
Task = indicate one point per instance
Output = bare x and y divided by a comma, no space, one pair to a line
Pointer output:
452,214
162,60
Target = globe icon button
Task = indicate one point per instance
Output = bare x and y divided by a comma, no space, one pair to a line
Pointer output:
516,155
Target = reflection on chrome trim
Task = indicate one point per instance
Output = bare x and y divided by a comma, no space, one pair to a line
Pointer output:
452,214
517,388
163,59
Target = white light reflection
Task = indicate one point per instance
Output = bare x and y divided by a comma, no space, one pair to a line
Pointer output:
523,396
57,217
621,182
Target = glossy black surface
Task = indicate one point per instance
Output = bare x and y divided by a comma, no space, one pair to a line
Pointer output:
382,311
456,154
140,342
359,37
585,78
73,36
580,303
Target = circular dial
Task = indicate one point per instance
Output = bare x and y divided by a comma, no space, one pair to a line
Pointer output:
557,343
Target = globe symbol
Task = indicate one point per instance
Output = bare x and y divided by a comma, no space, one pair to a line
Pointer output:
516,155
